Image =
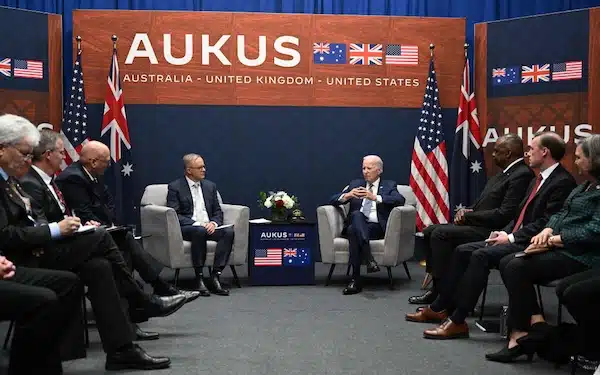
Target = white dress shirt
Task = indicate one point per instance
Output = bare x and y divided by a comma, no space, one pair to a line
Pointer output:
374,189
48,181
200,214
511,164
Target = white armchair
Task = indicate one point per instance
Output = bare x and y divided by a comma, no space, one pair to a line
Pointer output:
166,243
397,246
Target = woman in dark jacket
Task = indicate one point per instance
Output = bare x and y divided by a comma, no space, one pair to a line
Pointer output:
568,245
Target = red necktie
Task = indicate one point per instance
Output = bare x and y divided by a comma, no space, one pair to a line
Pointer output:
60,197
538,181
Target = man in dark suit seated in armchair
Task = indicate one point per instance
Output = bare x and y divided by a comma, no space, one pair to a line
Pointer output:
42,302
371,202
195,200
494,208
83,189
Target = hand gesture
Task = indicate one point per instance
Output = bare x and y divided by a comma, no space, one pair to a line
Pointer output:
354,193
69,225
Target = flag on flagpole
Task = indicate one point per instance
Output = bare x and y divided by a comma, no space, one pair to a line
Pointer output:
467,167
429,167
74,123
115,134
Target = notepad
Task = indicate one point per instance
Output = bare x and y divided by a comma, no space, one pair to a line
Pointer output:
260,221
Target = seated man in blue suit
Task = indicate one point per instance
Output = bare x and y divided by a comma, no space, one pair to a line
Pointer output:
195,201
371,201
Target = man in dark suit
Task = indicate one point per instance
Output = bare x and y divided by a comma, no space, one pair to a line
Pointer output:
93,256
195,200
84,192
42,303
494,208
50,205
371,201
471,263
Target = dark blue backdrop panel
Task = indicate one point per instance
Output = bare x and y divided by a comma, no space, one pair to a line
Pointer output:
312,152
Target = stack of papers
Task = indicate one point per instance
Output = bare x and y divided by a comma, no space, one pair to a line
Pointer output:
260,221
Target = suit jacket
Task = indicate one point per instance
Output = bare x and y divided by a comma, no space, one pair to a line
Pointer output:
547,201
500,198
43,202
90,199
19,237
578,223
390,198
179,197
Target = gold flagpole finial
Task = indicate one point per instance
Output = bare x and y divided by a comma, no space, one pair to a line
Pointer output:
114,39
78,39
431,48
466,47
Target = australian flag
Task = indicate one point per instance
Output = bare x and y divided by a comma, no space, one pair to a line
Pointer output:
467,169
296,257
329,53
115,134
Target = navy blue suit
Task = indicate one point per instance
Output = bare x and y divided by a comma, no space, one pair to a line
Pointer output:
179,197
357,227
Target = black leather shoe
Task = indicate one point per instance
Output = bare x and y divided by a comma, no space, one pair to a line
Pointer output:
507,355
170,290
163,306
352,288
134,358
144,335
425,299
202,289
216,286
372,267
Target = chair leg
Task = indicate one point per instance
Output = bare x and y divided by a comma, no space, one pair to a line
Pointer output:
389,269
348,270
176,277
235,277
86,332
483,300
8,334
329,275
406,270
539,295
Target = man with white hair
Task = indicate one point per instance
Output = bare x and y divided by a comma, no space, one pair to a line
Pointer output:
371,201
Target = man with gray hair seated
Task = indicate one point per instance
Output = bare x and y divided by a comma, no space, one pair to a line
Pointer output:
371,201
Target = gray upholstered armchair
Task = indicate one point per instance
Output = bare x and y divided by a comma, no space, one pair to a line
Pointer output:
166,243
396,247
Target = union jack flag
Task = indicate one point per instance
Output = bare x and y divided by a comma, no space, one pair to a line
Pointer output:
5,67
500,72
289,253
535,73
74,123
115,134
366,54
320,47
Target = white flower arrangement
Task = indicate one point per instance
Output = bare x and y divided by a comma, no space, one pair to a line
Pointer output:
280,199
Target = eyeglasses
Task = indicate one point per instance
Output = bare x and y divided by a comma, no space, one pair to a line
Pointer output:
25,155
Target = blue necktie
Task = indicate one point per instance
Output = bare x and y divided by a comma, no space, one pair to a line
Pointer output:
366,208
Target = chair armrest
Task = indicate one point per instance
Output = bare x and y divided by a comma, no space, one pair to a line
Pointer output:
330,223
399,240
239,216
164,239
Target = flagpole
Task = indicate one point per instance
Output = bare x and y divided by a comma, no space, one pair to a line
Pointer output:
431,48
466,47
114,40
78,39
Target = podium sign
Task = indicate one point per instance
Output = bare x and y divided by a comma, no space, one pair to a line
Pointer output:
282,254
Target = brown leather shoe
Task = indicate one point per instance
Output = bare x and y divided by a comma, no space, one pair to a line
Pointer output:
447,331
427,315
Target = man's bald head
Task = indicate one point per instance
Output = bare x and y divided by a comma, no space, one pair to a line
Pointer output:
95,157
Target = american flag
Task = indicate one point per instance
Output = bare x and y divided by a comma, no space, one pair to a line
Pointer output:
115,133
74,122
397,54
535,73
429,167
267,257
5,67
567,70
29,69
467,172
366,54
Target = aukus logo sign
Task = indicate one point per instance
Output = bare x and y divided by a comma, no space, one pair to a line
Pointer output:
285,48
266,236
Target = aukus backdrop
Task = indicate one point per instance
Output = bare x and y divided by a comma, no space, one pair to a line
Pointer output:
293,104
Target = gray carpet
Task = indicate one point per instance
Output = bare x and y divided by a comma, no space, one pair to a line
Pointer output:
316,330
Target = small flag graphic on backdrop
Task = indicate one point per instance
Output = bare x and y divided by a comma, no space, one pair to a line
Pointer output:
399,54
567,70
5,67
29,69
505,76
535,73
366,54
267,257
296,257
329,53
